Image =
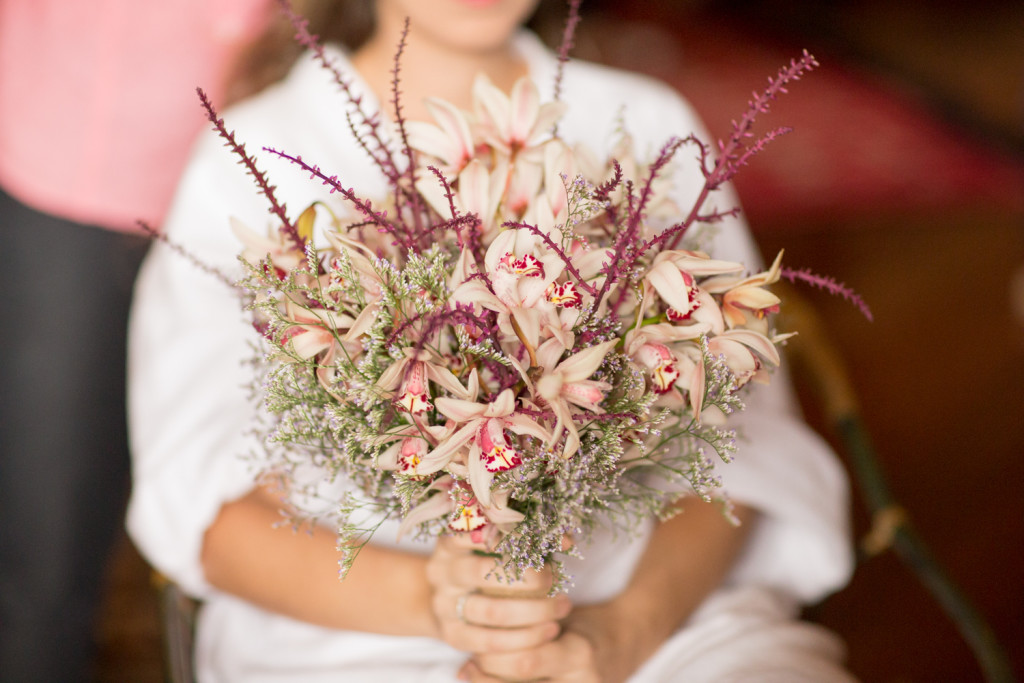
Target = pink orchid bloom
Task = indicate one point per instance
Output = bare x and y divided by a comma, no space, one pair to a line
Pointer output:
519,283
744,351
404,455
464,512
449,140
407,380
673,275
314,330
514,123
482,429
567,382
669,364
279,249
744,302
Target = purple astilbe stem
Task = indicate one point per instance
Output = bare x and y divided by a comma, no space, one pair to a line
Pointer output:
568,35
378,151
557,250
457,220
277,208
602,192
380,219
625,251
830,285
186,254
412,196
435,320
737,151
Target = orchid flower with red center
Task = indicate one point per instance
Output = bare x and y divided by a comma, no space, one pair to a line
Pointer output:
567,382
744,301
670,364
515,123
449,140
407,380
518,283
481,429
673,276
450,498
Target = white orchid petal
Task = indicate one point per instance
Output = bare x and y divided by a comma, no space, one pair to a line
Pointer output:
460,410
430,188
455,127
582,365
362,323
696,389
440,456
547,117
524,105
493,104
438,505
474,190
311,342
431,140
504,404
525,425
758,342
392,376
549,352
479,477
668,281
446,379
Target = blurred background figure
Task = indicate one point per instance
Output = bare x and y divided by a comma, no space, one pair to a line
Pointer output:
97,114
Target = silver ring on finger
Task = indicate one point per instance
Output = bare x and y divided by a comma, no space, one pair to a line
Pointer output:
460,607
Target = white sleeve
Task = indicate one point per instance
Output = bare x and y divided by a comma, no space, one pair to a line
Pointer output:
782,468
189,406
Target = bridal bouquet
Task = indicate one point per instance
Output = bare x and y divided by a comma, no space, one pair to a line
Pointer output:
520,341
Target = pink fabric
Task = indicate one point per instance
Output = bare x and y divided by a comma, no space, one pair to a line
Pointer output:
98,107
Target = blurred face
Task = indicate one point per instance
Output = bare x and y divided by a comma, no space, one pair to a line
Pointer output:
468,25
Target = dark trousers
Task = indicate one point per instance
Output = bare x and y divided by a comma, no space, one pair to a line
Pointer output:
64,295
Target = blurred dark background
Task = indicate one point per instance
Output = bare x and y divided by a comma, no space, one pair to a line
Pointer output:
904,178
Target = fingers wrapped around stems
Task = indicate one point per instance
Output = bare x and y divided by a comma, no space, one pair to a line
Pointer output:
472,617
570,658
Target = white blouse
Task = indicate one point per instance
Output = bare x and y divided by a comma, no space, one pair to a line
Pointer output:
191,413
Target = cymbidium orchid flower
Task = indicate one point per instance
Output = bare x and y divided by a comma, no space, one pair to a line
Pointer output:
568,382
744,301
314,330
519,283
406,380
281,251
410,445
449,140
744,351
673,276
450,498
670,364
482,429
515,123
